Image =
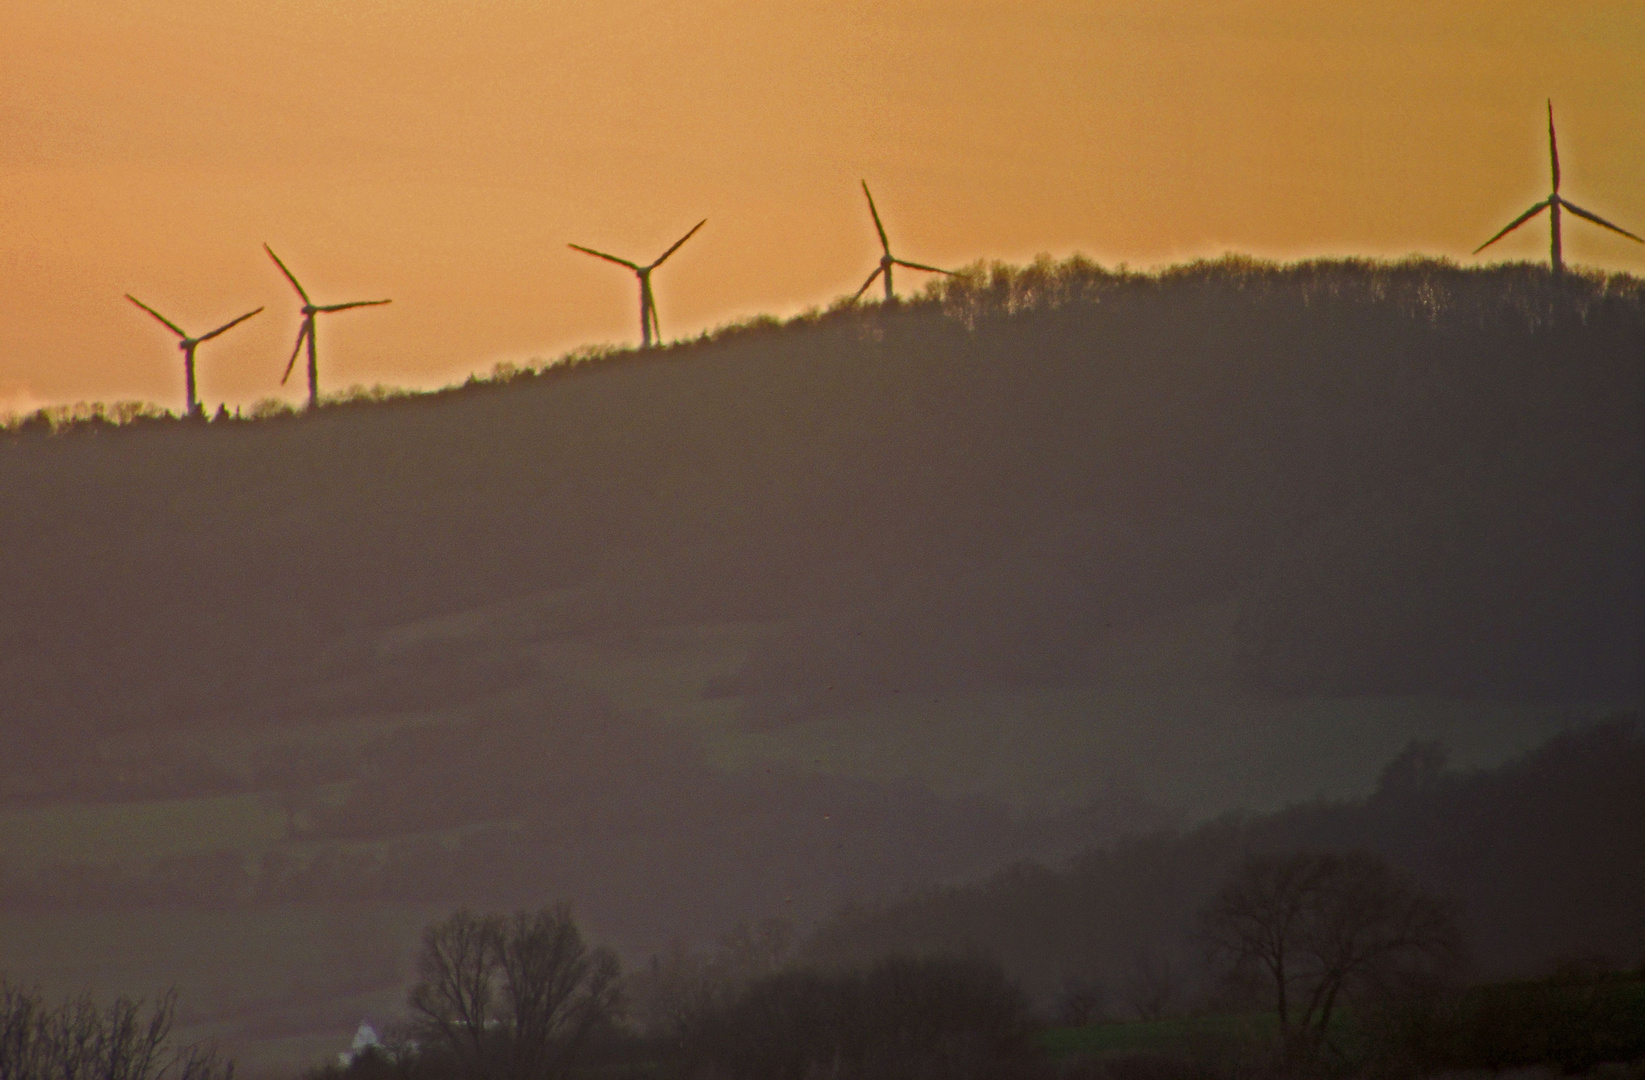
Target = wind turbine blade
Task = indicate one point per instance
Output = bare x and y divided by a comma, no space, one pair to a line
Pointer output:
678,242
173,327
878,270
603,255
289,275
921,266
884,243
1517,222
353,303
308,328
1553,146
227,325
1596,219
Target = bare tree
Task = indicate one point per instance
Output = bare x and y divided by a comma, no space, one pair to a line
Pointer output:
454,999
1313,926
82,1040
512,998
556,990
903,1017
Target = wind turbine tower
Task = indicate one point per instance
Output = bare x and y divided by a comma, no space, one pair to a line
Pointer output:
888,260
1554,203
188,345
649,327
311,309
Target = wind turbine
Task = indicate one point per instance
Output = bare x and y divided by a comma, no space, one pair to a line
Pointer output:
1553,203
648,302
311,309
888,260
188,344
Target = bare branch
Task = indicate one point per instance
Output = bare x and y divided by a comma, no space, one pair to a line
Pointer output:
1317,924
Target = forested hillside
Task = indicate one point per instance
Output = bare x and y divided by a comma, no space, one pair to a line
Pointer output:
1416,478
798,613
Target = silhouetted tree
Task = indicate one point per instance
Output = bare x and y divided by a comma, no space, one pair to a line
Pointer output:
512,997
454,999
556,991
1314,926
82,1040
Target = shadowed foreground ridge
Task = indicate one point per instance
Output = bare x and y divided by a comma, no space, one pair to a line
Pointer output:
646,626
1541,857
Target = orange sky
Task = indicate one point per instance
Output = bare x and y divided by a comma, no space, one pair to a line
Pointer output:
443,152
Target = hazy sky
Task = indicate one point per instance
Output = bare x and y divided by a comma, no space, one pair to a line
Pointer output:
443,152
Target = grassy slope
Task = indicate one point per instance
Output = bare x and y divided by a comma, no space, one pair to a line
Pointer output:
743,623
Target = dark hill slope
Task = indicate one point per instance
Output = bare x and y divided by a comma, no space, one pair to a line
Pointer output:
1416,479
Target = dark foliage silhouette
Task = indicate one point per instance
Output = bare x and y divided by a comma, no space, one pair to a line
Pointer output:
930,1017
1316,927
82,1039
511,997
